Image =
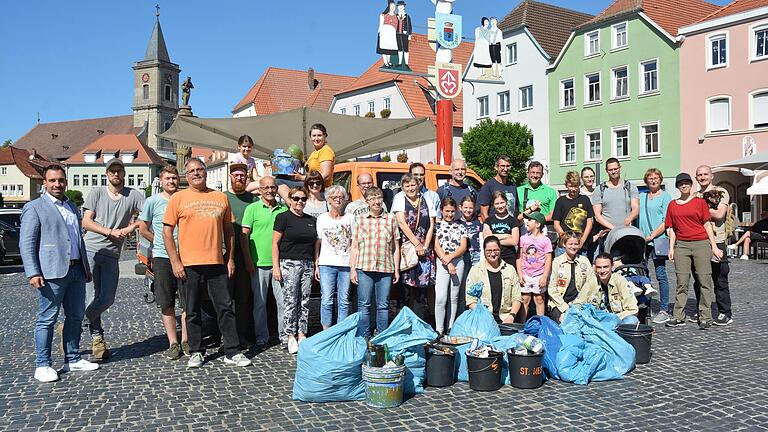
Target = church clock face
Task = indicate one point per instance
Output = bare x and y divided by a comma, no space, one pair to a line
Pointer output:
145,78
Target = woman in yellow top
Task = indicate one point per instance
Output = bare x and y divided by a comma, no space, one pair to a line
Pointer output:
321,160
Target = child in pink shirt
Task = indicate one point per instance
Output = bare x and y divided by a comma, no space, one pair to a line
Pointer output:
534,263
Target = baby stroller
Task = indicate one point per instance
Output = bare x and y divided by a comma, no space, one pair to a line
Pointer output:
627,247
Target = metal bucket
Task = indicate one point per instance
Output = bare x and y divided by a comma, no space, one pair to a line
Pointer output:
384,386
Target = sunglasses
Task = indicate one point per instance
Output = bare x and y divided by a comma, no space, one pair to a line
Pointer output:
298,198
314,183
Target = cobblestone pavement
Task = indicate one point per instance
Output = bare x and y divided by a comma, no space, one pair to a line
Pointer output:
697,380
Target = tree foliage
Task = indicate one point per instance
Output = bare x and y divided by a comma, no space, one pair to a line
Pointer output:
6,143
490,139
75,196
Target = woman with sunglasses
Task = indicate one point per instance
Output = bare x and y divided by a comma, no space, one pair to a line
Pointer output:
293,248
316,203
500,291
334,233
691,247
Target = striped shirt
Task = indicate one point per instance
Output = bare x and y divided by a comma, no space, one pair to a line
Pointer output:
375,238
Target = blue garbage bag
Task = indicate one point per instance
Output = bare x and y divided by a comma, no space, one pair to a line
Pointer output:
592,350
504,343
407,335
549,332
329,365
477,323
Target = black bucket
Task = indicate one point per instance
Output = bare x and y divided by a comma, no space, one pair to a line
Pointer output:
510,329
485,372
526,370
640,338
441,366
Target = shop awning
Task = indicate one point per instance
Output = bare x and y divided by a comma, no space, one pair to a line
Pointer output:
759,188
349,136
754,162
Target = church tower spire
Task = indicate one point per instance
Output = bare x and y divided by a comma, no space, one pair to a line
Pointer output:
156,91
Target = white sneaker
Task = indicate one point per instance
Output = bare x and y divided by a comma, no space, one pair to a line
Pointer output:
293,346
745,257
80,365
46,374
237,360
634,289
649,290
195,360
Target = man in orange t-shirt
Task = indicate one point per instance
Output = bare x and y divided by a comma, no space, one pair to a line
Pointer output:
204,219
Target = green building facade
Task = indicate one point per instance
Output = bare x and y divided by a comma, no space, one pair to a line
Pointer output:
614,92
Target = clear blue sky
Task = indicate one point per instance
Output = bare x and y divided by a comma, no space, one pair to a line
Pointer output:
71,60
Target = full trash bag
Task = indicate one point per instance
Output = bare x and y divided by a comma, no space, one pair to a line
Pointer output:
504,343
549,332
477,323
592,350
407,335
329,365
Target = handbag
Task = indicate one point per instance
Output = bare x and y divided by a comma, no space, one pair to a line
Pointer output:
408,256
660,244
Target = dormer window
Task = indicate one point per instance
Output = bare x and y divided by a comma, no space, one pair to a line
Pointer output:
90,156
127,156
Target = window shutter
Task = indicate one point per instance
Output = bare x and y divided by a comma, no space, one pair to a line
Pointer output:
760,110
719,112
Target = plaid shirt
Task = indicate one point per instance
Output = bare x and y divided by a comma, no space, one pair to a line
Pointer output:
375,238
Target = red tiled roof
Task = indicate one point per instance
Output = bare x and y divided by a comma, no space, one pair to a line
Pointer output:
421,56
209,155
60,140
32,168
669,15
281,90
127,143
735,7
539,19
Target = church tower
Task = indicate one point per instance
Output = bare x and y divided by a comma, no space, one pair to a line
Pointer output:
156,92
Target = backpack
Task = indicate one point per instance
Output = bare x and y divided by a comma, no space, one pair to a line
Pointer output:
627,191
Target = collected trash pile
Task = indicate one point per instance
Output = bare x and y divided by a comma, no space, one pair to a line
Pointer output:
337,365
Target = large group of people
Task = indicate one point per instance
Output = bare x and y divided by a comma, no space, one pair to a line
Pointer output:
523,249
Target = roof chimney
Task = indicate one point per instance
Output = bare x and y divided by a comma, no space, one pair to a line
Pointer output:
99,131
311,82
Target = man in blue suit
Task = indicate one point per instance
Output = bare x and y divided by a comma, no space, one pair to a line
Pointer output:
53,253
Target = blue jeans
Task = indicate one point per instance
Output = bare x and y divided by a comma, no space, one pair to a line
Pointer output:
102,291
660,265
260,284
68,292
631,320
333,278
370,283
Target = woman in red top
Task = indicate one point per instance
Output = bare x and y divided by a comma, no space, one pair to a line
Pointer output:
691,245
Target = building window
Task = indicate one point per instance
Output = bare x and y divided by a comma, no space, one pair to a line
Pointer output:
482,107
343,111
20,189
760,110
131,180
12,190
620,35
592,83
568,148
620,83
166,126
372,107
94,180
512,53
103,179
718,51
650,135
145,91
167,92
592,43
761,43
650,76
387,103
503,102
4,188
3,170
621,143
526,97
593,140
356,110
568,98
140,179
76,180
719,115
85,180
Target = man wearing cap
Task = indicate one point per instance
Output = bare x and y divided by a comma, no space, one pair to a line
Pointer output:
108,221
239,199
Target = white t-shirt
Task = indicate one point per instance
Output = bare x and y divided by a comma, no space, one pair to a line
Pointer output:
335,239
432,199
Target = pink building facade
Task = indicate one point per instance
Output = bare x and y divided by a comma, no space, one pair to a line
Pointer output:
724,96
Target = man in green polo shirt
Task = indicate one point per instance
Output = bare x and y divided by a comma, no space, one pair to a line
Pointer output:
258,225
540,196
